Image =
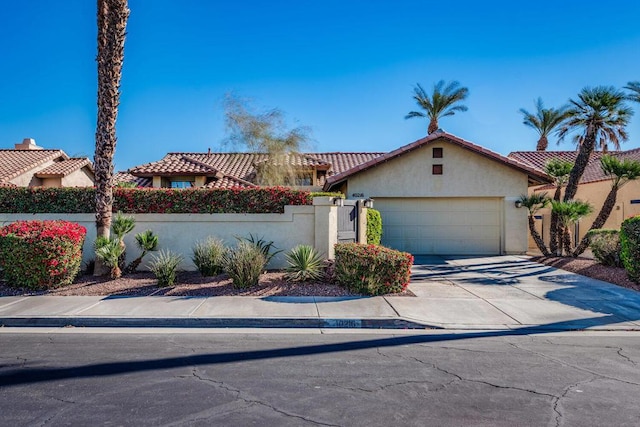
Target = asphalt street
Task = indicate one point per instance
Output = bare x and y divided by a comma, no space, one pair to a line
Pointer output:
280,378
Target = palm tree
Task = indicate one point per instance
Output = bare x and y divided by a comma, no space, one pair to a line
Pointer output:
442,102
600,115
634,87
559,170
569,213
534,203
147,242
620,172
545,121
112,24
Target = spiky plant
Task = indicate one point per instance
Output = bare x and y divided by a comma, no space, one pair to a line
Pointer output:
207,256
545,121
109,251
534,203
305,264
444,100
146,242
265,246
244,264
164,266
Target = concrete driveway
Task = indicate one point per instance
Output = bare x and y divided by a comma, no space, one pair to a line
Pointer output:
513,292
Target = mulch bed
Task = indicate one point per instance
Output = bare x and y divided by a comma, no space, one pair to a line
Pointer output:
190,283
590,268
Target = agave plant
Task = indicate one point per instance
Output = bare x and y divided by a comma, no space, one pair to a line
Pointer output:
305,264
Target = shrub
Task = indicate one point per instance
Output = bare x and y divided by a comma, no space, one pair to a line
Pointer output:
605,245
41,254
304,264
207,256
244,264
264,246
110,252
374,227
153,200
327,194
164,266
371,269
630,242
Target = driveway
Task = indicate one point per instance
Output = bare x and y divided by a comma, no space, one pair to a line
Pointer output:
513,292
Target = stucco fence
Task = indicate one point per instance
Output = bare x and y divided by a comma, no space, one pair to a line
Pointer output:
299,225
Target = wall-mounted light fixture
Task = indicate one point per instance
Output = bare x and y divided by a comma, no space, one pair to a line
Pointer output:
368,203
518,204
338,201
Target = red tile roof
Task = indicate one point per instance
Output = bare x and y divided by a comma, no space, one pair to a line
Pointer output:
137,180
593,172
64,168
14,163
534,174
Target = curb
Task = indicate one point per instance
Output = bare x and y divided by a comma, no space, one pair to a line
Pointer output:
150,322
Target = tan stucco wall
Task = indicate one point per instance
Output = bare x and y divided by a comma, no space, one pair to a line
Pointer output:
310,225
27,179
465,174
80,178
595,193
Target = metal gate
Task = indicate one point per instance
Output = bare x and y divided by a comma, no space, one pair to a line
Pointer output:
348,221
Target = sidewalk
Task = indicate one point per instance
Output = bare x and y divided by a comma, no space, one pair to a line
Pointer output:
496,293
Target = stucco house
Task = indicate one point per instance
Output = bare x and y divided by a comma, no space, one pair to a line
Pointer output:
438,195
29,165
593,188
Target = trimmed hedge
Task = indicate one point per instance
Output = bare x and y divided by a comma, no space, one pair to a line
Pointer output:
605,245
41,254
374,227
371,269
152,200
630,242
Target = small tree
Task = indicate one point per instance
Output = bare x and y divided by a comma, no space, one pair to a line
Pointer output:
569,213
559,170
146,242
534,203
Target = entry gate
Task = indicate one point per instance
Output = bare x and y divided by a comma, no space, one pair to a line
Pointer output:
348,221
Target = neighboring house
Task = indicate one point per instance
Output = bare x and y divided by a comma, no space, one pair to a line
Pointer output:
29,165
593,188
225,170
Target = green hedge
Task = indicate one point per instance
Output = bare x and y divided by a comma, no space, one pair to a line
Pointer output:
152,200
605,245
371,269
374,227
630,242
41,254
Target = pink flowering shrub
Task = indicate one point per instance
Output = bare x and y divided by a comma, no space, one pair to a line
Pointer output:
41,254
372,269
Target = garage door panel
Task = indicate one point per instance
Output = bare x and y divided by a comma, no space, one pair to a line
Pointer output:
441,225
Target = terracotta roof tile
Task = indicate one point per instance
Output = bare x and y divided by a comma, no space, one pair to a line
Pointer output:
593,172
14,163
64,167
137,180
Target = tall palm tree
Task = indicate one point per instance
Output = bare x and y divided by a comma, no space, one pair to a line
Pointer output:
559,170
634,87
445,100
600,115
569,213
112,24
620,172
534,203
545,121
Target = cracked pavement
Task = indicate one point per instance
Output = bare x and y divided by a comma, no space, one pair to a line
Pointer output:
344,379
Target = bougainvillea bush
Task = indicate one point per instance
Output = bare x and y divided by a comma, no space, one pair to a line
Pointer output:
153,200
372,269
41,254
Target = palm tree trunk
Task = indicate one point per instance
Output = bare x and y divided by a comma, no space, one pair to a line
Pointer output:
433,126
553,228
603,216
582,160
536,237
543,143
566,240
112,23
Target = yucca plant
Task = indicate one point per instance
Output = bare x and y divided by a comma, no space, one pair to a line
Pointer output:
147,242
164,266
244,264
109,252
305,264
207,256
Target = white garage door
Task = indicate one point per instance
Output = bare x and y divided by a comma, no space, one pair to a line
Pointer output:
444,226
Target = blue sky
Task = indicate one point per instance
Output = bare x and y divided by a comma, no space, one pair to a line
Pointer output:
345,68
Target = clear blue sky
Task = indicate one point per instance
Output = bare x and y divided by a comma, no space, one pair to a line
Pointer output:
344,68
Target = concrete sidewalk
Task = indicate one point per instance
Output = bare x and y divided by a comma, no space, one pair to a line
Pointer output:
494,293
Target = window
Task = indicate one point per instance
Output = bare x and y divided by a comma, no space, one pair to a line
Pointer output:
182,184
436,170
437,152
